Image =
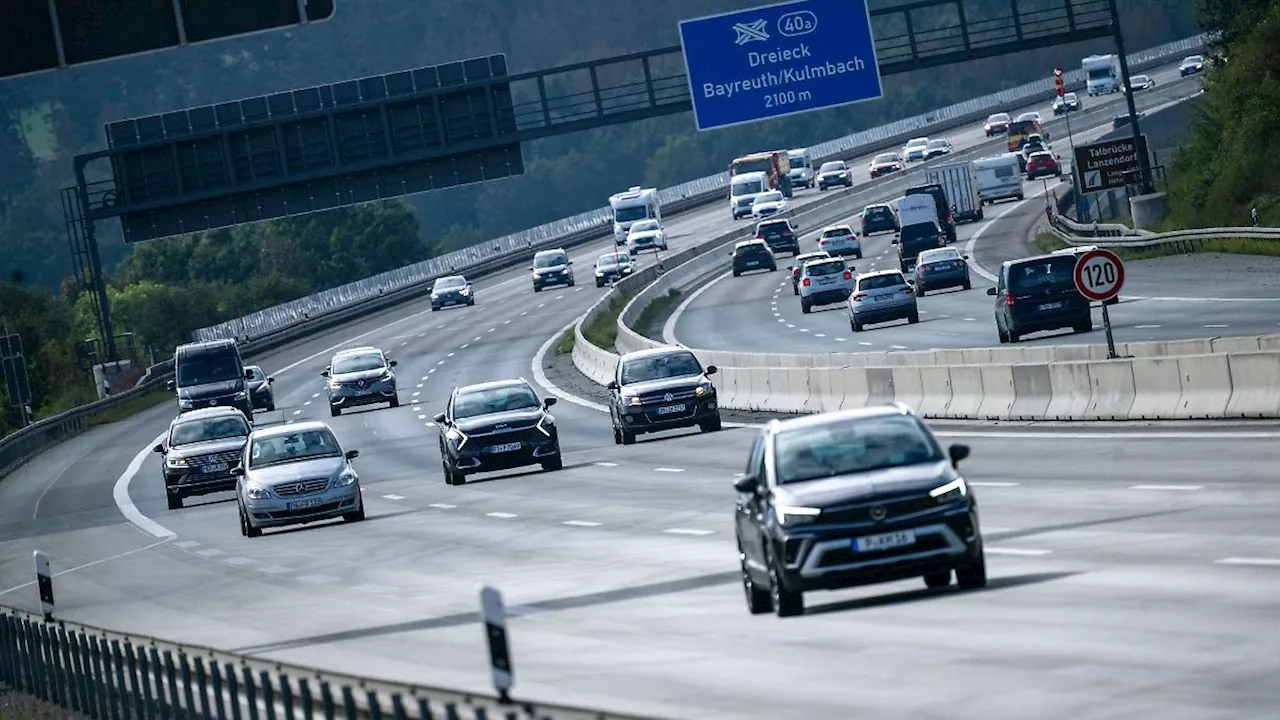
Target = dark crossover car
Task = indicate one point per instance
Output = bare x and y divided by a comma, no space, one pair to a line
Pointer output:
552,267
211,374
780,235
360,376
1191,65
752,255
834,173
878,218
296,474
941,268
613,267
661,389
260,390
200,449
1039,293
453,290
850,498
915,239
498,425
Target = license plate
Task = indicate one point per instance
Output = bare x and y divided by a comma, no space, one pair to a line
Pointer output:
1051,306
752,263
505,447
215,468
825,281
887,541
667,410
305,504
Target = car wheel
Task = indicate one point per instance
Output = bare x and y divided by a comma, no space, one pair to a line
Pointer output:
628,438
854,325
920,291
537,288
785,602
713,425
553,464
773,267
759,600
914,317
356,516
246,525
394,402
471,302
617,435
1013,336
599,284
571,282
1004,336
804,306
175,501
1084,326
334,411
858,255
968,285
435,308
271,406
972,576
795,289
937,580
737,273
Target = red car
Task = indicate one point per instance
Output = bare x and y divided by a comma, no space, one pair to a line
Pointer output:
884,164
1042,164
996,124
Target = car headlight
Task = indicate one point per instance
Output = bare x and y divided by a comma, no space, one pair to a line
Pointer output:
241,395
633,400
951,492
346,478
704,389
790,515
458,437
599,273
175,460
256,492
465,291
185,404
546,425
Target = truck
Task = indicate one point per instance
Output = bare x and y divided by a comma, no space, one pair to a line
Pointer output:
1019,130
918,215
803,174
1102,74
776,164
636,203
960,182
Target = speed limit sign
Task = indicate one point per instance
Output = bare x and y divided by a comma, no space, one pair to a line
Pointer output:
1099,275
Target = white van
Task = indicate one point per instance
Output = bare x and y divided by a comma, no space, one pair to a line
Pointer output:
743,189
999,178
802,172
635,204
917,209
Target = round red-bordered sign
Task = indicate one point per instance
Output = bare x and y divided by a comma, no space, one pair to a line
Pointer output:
1099,275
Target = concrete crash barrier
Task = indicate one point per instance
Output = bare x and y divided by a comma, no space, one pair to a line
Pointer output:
1255,385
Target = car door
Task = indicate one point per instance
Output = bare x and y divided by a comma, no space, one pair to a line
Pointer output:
750,508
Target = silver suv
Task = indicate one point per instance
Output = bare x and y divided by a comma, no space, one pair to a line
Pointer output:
824,282
552,267
880,297
360,376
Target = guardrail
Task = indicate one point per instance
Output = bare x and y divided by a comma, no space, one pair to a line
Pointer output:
106,675
1116,235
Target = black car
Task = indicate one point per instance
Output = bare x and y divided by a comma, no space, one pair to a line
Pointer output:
1039,293
834,173
941,268
211,374
850,498
878,218
260,390
661,389
780,235
915,239
752,255
452,290
498,425
613,267
1123,120
552,267
200,449
946,221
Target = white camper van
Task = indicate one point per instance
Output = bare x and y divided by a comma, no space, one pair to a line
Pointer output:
999,178
743,189
802,171
635,204
1102,74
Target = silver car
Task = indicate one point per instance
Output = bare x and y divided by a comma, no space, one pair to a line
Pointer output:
824,282
295,474
360,376
880,297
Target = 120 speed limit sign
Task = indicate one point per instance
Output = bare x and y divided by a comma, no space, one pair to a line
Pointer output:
1099,275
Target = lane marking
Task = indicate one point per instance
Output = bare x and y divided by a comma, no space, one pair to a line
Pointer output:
581,523
1019,552
187,544
1215,326
240,561
687,531
669,470
502,515
120,493
87,565
275,570
210,552
443,506
1166,487
995,484
606,464
669,328
1255,562
1146,327
1037,191
393,497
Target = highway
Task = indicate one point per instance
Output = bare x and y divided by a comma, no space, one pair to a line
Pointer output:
1133,571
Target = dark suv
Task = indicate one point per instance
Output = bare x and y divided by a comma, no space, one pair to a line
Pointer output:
1039,293
852,498
200,449
211,374
780,235
498,425
946,220
661,389
915,239
752,255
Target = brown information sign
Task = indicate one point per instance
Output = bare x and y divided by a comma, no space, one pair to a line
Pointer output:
1102,166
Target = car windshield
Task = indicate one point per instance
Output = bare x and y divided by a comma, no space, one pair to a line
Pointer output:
999,118
827,267
917,142
1194,59
880,282
1069,97
937,143
852,446
450,283
293,447
1043,273
1141,79
549,260
831,167
746,187
645,226
198,431
204,369
357,363
886,158
658,367
608,260
631,214
942,255
769,197
473,403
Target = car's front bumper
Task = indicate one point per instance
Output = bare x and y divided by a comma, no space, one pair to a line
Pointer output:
476,457
188,482
345,397
547,279
646,418
451,299
276,512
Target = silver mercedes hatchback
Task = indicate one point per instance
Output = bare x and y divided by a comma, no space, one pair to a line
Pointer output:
294,474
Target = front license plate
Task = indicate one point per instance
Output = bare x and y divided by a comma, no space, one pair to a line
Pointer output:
305,504
215,468
1051,306
887,541
669,409
505,447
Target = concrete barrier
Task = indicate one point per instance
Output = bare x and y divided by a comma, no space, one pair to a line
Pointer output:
1032,392
1112,392
1206,386
966,391
997,392
936,385
1255,385
1070,390
908,385
1157,387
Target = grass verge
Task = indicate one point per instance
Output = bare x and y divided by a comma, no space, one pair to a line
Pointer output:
603,332
656,311
130,407
1048,242
565,345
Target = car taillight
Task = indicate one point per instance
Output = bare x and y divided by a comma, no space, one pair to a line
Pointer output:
1008,298
759,236
848,275
806,282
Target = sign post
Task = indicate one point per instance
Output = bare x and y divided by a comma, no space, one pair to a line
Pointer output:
1099,275
494,616
44,582
778,60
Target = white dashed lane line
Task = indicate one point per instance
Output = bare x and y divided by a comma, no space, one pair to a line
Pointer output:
994,484
687,531
450,355
502,515
669,470
1021,552
443,506
606,464
581,523
393,497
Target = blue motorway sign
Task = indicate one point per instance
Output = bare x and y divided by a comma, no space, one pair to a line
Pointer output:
778,60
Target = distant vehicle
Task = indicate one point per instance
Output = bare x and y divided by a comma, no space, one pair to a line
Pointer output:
1141,82
743,190
1033,116
646,236
801,162
834,173
850,498
260,390
779,234
840,240
1123,120
798,266
553,267
752,255
1102,74
937,148
999,178
661,389
1019,130
885,163
878,217
1191,65
499,425
920,229
996,124
628,207
211,374
776,165
613,267
451,290
941,268
1034,144
1069,102
882,296
295,474
360,376
824,282
942,202
199,451
769,204
1042,164
1039,293
960,185
915,149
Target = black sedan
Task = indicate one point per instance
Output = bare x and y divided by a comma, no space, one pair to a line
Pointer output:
261,391
753,255
852,498
498,425
941,268
661,389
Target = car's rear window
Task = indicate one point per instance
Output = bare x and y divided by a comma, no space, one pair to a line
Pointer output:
879,282
774,229
749,249
829,267
836,232
1043,273
876,212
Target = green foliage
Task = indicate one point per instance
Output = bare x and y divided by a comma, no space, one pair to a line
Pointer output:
564,346
603,331
657,311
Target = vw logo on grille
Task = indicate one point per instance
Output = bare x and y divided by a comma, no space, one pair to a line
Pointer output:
213,402
878,513
668,397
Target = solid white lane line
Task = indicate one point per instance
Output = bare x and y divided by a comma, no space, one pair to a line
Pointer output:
669,328
1037,191
994,484
443,506
120,493
606,464
1248,561
1166,487
669,470
1020,552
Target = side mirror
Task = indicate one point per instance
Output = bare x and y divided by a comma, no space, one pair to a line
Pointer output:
958,452
613,385
324,373
248,374
439,417
910,281
746,484
353,454
168,385
570,262
237,471
393,363
991,291
964,257
159,448
712,370
548,402
530,267
270,380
